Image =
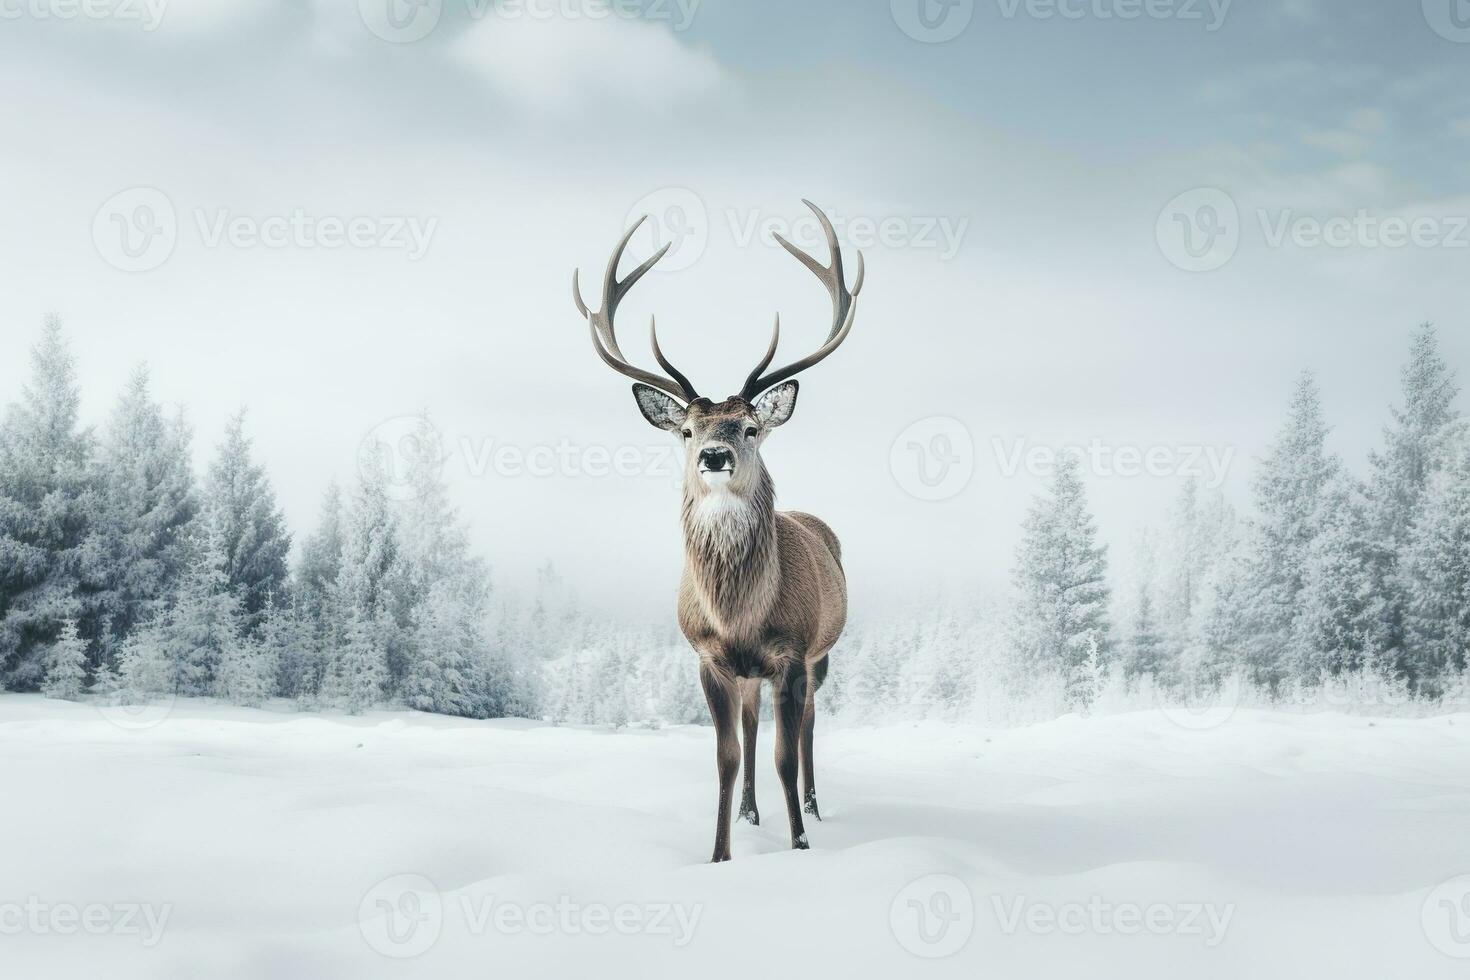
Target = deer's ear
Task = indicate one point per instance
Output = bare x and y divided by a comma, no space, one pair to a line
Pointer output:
661,411
775,406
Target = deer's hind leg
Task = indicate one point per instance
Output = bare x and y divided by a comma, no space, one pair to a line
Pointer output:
787,686
816,673
750,721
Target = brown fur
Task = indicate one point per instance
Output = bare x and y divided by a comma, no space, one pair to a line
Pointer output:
763,597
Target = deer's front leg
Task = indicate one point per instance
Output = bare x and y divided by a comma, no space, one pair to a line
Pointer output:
789,694
723,696
750,723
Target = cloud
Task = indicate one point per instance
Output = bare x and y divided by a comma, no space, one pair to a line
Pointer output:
196,17
1340,141
1301,11
569,66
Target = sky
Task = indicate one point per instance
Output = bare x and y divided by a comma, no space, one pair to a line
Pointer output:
1121,225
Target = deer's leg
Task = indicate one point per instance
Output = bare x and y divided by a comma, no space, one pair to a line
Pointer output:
787,693
750,720
721,692
814,675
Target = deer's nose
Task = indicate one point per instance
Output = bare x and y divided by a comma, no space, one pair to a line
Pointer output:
716,459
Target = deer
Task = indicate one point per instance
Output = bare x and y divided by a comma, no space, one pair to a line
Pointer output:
763,595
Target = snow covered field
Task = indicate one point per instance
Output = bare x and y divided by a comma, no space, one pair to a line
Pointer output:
227,842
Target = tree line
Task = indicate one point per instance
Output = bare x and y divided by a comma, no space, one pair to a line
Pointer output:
123,575
1334,586
1331,573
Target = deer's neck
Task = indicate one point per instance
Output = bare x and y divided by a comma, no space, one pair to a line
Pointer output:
730,551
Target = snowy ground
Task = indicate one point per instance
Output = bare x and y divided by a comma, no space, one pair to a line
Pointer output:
225,842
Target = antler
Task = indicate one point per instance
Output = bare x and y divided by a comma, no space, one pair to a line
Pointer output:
604,338
844,305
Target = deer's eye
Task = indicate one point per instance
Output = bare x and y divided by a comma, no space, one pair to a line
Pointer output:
750,433
688,434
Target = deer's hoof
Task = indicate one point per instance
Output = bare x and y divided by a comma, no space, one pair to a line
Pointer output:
810,806
799,843
750,815
719,857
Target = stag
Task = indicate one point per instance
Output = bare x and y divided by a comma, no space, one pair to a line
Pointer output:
763,596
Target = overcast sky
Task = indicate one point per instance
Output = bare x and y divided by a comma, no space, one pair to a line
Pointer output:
1085,221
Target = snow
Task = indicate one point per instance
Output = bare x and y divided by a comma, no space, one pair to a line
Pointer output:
262,842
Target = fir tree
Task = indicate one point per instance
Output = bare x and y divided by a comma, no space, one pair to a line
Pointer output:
148,504
1289,490
246,670
46,509
1415,449
251,527
179,652
1436,579
1147,653
287,639
66,672
321,557
1333,624
446,642
1061,582
360,672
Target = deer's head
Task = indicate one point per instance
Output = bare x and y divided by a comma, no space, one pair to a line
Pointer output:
722,440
